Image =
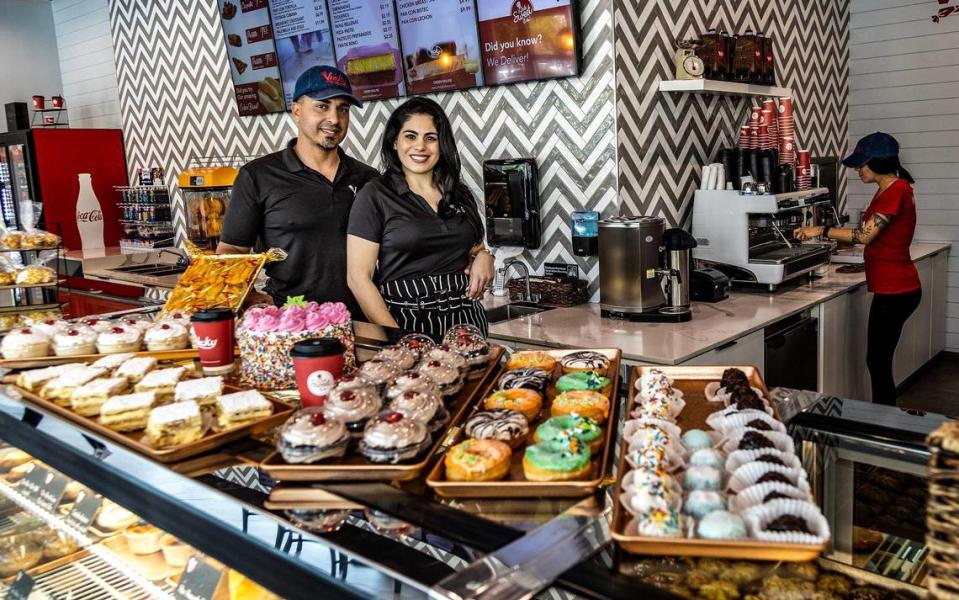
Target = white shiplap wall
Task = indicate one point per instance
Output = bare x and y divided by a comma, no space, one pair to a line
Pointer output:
86,63
904,80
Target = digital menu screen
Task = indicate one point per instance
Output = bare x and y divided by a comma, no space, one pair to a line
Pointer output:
440,45
523,41
248,31
303,39
367,43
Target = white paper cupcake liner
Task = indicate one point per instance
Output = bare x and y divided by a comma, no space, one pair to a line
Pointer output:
747,475
633,424
674,462
754,494
716,393
757,517
780,441
632,529
670,481
718,420
739,420
741,457
636,502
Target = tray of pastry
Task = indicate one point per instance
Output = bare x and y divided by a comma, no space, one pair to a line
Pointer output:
707,469
545,431
355,465
165,413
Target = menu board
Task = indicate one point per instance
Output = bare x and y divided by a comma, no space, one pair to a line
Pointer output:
521,41
440,45
253,65
303,39
367,43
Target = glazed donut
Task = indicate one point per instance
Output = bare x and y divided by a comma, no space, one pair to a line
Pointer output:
504,425
530,378
531,358
585,404
558,460
478,460
585,360
521,400
583,428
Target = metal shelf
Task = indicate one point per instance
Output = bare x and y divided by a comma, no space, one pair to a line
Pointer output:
722,88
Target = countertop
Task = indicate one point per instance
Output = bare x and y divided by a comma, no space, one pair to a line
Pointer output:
100,264
712,325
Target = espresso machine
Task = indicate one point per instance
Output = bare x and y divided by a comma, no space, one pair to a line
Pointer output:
636,256
748,236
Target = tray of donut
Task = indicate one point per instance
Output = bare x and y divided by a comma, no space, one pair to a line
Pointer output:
544,431
707,469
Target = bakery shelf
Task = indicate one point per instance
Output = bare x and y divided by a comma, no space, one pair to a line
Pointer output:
31,286
5,310
722,88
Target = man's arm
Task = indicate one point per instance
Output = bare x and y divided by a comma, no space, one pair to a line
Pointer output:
224,248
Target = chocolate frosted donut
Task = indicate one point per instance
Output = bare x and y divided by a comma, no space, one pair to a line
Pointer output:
504,425
529,378
585,360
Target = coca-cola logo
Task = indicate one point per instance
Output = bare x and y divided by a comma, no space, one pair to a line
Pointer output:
89,216
522,11
206,343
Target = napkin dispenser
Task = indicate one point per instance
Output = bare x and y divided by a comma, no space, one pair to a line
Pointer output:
512,202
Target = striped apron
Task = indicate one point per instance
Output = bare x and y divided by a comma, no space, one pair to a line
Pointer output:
433,304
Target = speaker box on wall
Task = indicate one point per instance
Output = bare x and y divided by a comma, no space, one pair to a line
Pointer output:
17,116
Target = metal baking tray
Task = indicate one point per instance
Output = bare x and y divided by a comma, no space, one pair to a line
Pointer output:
692,381
515,485
354,467
47,361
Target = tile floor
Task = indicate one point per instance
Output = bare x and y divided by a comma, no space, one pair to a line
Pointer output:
936,389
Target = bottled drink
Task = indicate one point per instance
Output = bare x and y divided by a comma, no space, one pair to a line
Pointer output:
89,214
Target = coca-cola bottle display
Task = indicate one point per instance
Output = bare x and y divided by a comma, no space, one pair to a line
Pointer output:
89,214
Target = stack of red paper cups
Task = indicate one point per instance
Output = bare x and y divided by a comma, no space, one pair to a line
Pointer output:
744,138
803,171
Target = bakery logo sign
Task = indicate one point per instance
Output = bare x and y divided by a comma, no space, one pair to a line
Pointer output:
522,11
89,216
435,51
206,343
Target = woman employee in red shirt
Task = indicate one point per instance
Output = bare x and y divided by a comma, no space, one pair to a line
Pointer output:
886,230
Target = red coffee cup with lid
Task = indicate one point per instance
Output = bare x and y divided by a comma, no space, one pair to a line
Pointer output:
38,102
214,329
318,363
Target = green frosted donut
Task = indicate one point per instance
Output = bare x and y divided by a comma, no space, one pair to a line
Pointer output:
583,428
584,381
558,455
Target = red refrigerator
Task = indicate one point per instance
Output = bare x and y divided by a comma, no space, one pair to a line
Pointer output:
43,165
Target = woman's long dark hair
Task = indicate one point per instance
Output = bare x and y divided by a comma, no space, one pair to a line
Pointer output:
457,198
890,166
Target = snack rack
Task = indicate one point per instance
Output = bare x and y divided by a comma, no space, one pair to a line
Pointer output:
146,217
21,299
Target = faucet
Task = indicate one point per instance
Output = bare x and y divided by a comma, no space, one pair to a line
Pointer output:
528,296
181,259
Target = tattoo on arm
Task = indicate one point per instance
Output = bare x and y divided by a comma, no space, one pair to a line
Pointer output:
869,230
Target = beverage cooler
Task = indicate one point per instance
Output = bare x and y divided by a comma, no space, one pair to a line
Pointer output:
46,166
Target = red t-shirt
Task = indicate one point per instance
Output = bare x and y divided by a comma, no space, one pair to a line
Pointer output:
889,267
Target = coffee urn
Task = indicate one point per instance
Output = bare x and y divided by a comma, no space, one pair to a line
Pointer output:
677,244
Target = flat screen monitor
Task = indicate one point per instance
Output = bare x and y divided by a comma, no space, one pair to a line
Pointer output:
440,45
367,43
301,29
248,31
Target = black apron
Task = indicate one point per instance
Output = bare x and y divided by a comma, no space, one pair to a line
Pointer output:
433,304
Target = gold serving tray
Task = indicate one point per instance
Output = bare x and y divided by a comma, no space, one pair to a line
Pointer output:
48,361
515,485
354,467
692,382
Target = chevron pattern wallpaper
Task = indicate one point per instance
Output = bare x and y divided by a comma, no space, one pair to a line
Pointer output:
664,139
177,103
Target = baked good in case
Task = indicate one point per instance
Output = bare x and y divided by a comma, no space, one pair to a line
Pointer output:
203,391
478,460
412,382
582,428
426,407
143,538
111,362
391,437
139,322
585,404
18,553
58,544
60,390
175,553
35,275
51,327
379,372
721,525
559,460
354,407
508,426
531,358
89,397
162,383
74,342
521,400
174,424
98,325
113,517
166,336
135,369
119,339
24,343
13,457
418,343
310,436
579,381
446,377
241,408
34,379
400,356
585,360
447,355
128,412
530,378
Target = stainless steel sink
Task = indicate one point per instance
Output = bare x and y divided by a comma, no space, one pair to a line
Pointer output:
158,270
514,311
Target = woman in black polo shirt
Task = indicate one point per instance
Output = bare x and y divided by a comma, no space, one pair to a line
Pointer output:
415,254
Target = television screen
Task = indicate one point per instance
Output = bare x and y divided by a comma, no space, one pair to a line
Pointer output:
524,40
248,31
303,40
367,43
440,45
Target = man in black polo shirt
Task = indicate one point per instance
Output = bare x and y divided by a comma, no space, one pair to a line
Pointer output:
299,199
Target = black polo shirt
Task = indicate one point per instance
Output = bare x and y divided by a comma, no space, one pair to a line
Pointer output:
414,240
285,204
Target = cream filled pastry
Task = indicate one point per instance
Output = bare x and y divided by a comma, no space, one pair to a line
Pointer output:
98,325
203,391
51,327
25,343
379,372
166,336
135,369
60,390
162,382
74,342
119,339
424,406
353,407
141,323
412,382
241,408
111,362
310,436
400,356
391,437
418,343
35,378
446,354
446,377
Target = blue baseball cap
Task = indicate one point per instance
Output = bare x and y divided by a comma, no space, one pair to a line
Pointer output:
874,145
324,82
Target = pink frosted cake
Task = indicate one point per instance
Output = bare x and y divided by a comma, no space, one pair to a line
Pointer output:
266,335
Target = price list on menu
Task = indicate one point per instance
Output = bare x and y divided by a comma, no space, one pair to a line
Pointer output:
440,44
366,39
303,40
